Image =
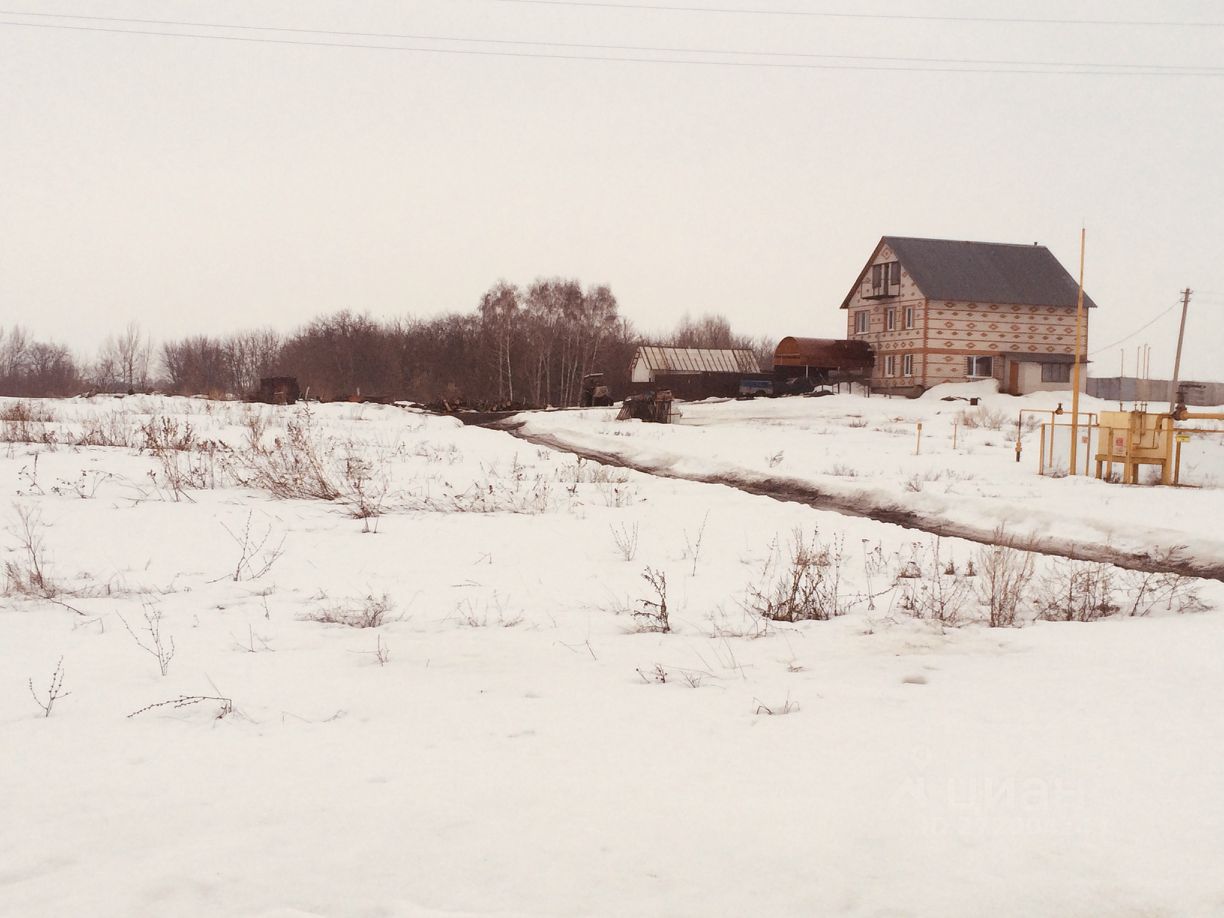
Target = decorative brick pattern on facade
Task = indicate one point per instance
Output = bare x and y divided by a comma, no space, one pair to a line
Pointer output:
893,307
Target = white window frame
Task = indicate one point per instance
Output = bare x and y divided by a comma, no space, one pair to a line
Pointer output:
908,320
890,318
890,365
974,363
862,321
907,365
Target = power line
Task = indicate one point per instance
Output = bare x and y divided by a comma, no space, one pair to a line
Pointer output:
1114,344
401,36
909,17
1028,69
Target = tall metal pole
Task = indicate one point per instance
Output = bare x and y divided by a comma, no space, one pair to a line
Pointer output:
1079,343
1181,333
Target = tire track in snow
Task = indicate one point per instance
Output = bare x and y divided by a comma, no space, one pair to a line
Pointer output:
1175,561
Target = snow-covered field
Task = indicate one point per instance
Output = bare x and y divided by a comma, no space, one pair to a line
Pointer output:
508,737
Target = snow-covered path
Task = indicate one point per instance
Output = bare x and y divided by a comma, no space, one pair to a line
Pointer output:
861,456
867,504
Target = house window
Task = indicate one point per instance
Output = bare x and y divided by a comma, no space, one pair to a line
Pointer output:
1056,372
909,317
860,322
907,365
890,365
885,280
890,319
979,367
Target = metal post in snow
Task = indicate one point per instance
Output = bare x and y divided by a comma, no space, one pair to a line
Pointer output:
1075,384
1181,332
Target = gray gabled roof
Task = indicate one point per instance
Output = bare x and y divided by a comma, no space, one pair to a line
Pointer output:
985,272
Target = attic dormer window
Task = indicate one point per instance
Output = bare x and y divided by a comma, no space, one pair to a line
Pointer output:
885,280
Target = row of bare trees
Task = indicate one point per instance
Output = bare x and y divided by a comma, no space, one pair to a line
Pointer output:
522,345
33,368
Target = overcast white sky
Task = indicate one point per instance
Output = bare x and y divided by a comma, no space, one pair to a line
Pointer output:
205,185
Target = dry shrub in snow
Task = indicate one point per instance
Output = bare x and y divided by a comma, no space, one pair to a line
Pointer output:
802,584
296,466
167,433
303,465
916,481
512,491
108,428
937,592
1030,423
477,616
85,485
449,453
365,491
651,614
369,612
187,463
1144,592
25,422
988,418
611,483
1077,591
1004,576
28,574
187,470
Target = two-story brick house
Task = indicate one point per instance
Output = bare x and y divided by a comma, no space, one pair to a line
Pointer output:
939,310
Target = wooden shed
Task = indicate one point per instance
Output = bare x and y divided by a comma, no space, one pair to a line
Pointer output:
691,372
816,361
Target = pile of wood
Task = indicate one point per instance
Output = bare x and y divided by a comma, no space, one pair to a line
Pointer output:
654,406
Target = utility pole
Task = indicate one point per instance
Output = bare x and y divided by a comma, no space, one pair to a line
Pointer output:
1181,333
1079,343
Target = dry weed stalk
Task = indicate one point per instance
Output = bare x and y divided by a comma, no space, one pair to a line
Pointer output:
157,647
55,690
183,701
254,560
626,540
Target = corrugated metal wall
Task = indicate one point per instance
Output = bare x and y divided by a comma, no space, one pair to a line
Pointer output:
1130,389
